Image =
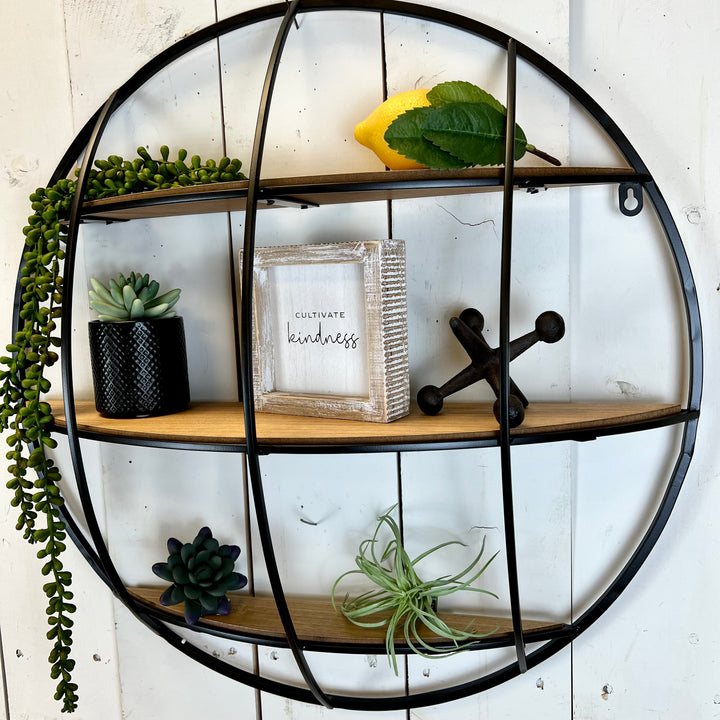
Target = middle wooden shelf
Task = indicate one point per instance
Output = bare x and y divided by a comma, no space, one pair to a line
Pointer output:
220,425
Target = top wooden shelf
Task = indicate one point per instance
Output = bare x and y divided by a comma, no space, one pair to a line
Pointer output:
316,190
220,424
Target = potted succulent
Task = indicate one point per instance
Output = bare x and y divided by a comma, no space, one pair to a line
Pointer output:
137,348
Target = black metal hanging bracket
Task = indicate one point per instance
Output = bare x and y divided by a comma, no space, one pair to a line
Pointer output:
630,198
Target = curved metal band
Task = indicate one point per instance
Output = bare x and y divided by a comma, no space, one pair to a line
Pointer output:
100,559
505,278
109,572
246,360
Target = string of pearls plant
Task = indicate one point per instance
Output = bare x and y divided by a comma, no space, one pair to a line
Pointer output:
35,478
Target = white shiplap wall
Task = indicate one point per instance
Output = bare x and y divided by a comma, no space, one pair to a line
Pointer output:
578,508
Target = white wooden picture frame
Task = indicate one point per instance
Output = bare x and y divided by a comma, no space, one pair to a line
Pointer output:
330,330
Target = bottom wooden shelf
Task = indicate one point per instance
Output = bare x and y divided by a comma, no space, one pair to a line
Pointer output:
316,622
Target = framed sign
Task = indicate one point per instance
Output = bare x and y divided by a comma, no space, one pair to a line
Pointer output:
330,330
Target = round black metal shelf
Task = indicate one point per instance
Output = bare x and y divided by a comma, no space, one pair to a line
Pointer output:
256,193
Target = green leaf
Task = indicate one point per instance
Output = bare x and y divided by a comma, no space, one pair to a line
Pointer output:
108,310
180,575
162,571
473,132
128,296
461,91
137,309
101,291
405,135
116,292
169,298
149,291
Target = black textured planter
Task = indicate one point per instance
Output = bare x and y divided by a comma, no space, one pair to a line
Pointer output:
139,367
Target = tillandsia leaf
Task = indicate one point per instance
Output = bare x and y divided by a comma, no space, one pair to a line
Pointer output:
423,555
403,599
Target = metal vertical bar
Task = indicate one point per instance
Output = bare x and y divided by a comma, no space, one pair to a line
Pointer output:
246,368
505,279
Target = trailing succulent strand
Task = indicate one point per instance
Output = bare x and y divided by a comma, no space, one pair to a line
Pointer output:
401,600
23,373
202,573
131,298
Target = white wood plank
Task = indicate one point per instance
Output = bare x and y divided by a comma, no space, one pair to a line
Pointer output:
657,628
453,247
94,643
317,525
334,672
190,253
160,682
630,342
108,42
330,70
189,90
544,689
28,158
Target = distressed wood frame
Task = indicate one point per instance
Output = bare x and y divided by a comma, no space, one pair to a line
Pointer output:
385,295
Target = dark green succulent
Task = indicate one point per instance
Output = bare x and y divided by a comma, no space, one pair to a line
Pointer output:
202,572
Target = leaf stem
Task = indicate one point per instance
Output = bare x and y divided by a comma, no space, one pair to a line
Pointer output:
543,155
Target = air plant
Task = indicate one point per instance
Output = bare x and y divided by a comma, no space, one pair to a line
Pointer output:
202,572
404,600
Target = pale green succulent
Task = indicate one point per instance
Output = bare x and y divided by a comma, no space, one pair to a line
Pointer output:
134,297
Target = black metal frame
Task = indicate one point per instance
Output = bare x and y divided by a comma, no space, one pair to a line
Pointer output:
94,548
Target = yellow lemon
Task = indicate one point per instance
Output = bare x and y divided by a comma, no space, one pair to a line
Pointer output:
370,132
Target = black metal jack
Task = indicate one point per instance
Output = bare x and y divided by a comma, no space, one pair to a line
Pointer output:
485,362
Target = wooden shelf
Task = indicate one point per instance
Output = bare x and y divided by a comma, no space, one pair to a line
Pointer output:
221,423
342,188
316,621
